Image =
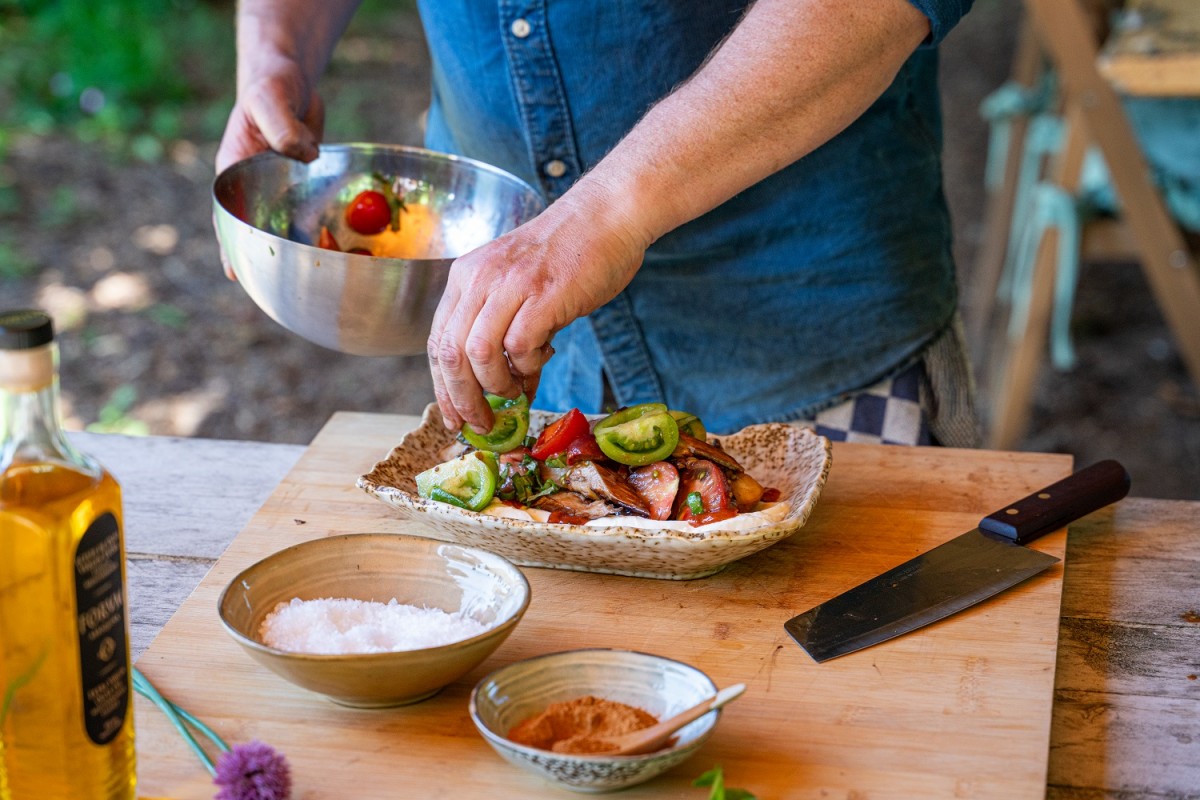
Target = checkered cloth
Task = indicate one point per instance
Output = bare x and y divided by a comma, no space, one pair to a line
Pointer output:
890,412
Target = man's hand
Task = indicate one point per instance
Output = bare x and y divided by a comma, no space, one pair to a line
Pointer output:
505,301
276,110
283,47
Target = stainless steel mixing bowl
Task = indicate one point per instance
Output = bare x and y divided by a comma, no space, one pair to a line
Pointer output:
269,211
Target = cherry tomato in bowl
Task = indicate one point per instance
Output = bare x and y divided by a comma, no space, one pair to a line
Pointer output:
326,240
369,212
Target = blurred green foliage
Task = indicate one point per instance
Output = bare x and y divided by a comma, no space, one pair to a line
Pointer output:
129,73
168,315
115,415
121,71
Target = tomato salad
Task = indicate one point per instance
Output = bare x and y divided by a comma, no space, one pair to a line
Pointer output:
643,461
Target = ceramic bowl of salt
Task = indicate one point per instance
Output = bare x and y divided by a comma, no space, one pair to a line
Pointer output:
374,620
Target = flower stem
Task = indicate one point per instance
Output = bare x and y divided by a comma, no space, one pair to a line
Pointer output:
178,717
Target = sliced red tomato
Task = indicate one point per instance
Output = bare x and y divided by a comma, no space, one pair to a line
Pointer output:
326,241
657,484
712,516
559,434
584,449
368,213
706,479
770,495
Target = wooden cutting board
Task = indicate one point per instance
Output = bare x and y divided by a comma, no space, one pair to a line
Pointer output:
960,709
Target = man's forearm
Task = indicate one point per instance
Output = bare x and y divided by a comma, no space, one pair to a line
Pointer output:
790,76
300,30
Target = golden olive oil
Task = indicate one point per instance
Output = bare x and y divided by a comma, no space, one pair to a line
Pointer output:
66,716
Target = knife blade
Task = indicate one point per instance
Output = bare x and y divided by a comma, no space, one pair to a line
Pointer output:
958,574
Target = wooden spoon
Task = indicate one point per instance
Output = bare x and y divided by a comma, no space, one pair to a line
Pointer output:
647,740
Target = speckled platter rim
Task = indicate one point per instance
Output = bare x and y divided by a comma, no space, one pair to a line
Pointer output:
791,458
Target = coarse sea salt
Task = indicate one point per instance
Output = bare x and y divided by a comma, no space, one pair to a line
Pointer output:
332,626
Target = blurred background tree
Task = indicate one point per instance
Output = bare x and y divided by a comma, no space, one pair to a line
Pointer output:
125,73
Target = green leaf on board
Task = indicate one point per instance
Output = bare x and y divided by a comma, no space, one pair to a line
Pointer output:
715,780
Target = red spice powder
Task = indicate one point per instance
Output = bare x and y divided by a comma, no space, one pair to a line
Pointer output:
580,725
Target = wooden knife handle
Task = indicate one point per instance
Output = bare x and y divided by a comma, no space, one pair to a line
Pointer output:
1059,503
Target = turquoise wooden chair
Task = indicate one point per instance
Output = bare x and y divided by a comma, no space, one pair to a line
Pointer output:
1168,130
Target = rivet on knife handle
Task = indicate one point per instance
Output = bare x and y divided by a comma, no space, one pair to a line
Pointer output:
1060,503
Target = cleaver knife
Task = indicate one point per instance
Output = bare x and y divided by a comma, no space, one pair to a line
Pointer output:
959,573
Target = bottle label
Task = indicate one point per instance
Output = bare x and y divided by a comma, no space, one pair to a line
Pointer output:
100,620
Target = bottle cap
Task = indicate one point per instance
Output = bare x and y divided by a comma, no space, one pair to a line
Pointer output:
25,329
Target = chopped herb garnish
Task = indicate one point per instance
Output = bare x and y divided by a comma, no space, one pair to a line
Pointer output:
525,483
549,487
695,503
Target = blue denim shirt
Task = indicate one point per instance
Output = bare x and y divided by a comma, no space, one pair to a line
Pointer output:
817,281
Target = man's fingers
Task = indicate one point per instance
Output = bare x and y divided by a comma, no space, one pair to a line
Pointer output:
532,377
485,345
462,395
450,417
441,316
240,140
280,125
461,392
314,119
532,362
529,385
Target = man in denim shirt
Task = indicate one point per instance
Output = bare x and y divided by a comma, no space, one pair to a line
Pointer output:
746,218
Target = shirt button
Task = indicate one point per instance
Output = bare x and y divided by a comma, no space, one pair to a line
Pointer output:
555,168
521,28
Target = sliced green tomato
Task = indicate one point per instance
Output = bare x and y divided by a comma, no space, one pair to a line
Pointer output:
468,481
509,429
690,424
638,435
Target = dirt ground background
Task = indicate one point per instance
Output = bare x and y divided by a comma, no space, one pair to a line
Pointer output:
155,340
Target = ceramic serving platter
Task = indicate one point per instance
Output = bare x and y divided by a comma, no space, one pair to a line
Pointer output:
790,458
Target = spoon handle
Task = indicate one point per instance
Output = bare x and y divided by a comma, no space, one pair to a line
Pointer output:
657,734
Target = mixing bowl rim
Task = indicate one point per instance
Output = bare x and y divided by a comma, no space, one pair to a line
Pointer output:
226,175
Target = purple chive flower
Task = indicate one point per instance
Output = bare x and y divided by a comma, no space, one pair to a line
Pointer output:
253,771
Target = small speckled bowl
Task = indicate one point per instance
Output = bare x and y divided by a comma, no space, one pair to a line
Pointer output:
661,686
378,567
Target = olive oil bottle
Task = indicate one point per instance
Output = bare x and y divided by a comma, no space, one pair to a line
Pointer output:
66,714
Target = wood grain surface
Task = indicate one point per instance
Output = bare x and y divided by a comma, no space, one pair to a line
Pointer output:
959,709
1127,696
